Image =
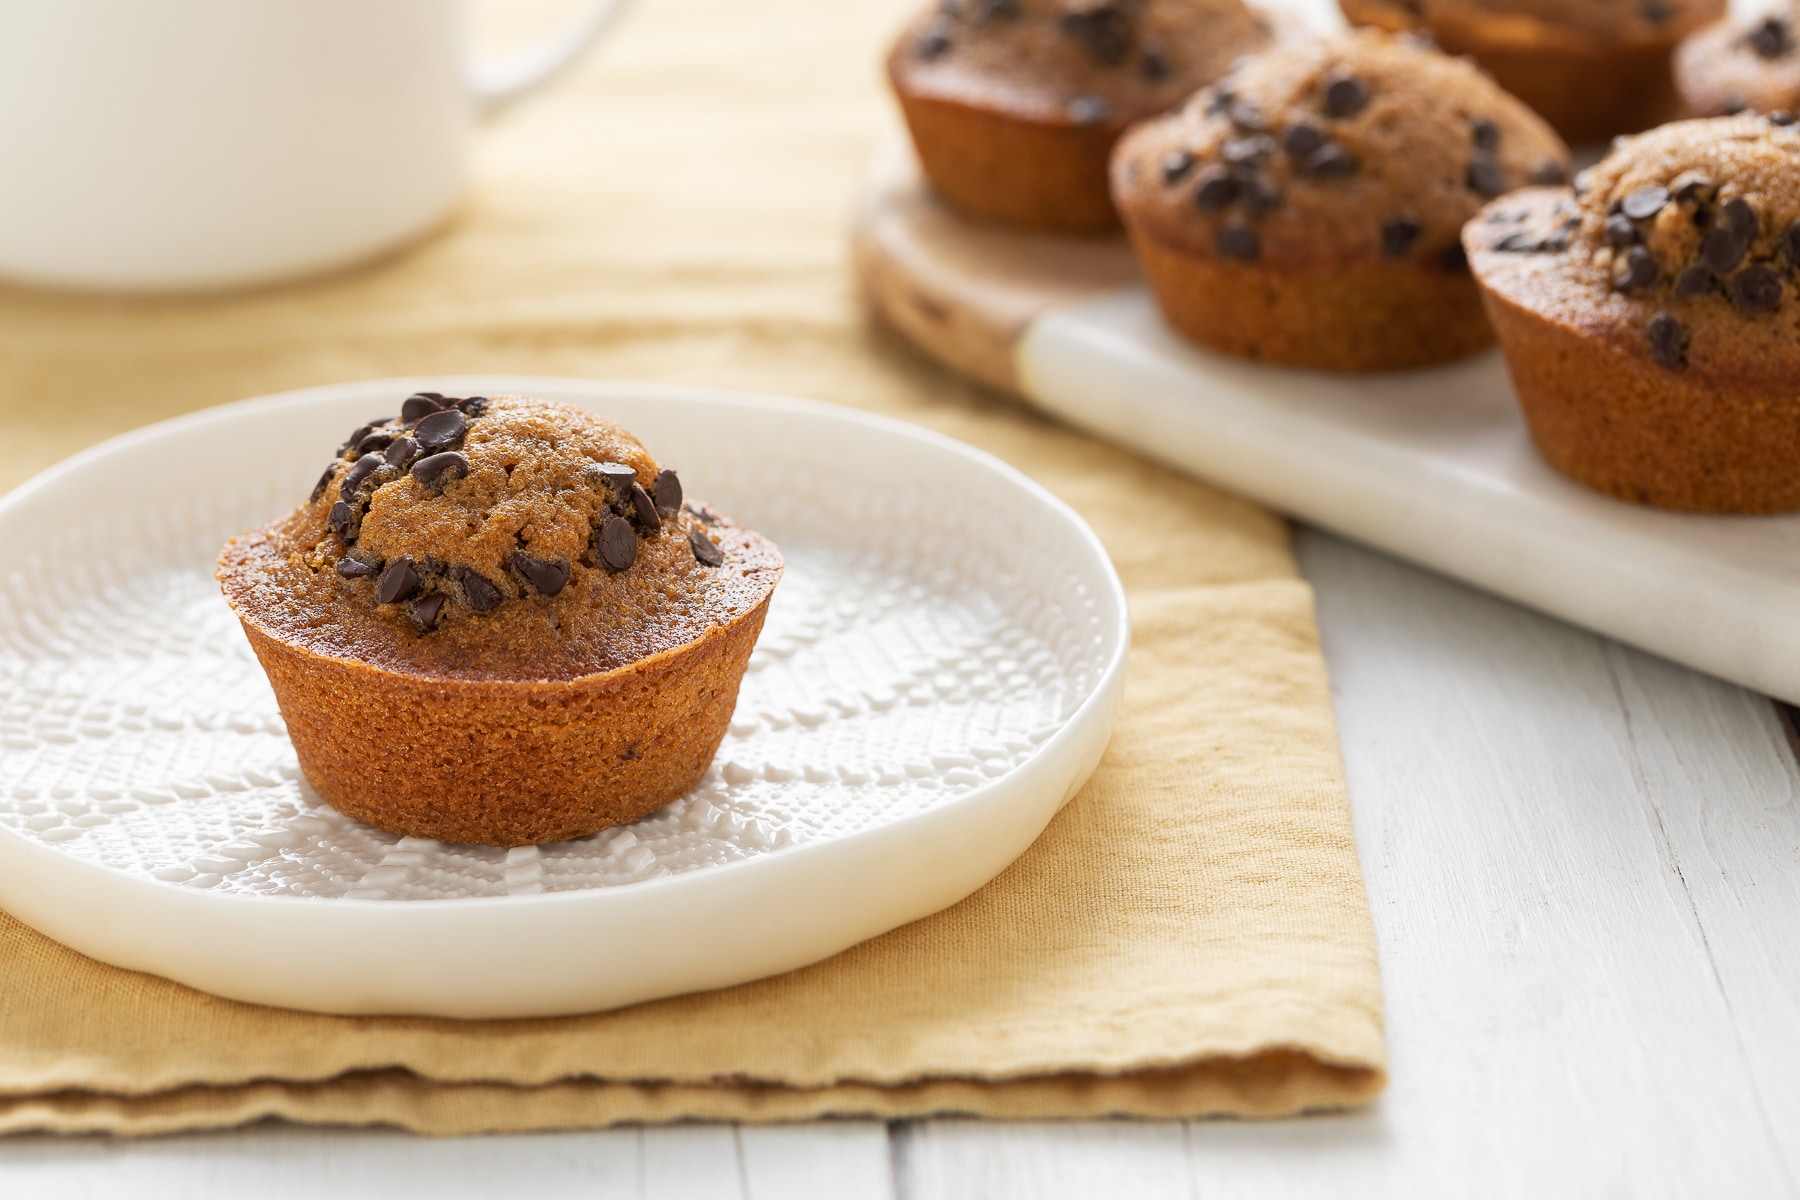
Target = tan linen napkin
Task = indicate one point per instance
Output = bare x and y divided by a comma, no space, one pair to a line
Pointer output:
1190,935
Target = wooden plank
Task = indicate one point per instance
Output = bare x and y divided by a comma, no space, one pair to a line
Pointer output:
974,1160
827,1160
1582,866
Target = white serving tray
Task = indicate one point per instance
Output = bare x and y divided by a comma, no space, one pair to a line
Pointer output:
938,674
1432,465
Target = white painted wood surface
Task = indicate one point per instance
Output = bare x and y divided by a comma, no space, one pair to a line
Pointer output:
1585,870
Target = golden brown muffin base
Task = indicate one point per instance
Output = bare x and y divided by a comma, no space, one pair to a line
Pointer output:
1366,316
1715,436
1014,169
508,763
1587,90
1607,416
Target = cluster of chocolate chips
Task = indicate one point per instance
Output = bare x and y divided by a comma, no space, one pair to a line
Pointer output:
1524,241
1106,31
1772,37
1237,179
1726,263
423,441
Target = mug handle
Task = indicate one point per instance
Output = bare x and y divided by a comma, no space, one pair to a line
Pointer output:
498,83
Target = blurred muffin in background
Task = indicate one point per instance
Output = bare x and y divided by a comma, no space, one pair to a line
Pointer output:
1592,68
1308,208
1731,66
1015,105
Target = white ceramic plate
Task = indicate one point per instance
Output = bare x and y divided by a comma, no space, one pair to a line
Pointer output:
938,674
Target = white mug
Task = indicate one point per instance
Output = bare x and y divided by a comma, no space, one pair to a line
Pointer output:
177,145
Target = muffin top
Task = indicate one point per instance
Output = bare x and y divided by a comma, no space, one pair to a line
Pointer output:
1608,21
1082,62
507,539
1731,66
1680,245
1367,147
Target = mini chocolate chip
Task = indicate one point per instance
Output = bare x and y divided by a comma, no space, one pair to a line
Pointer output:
1217,189
1301,139
1695,281
1645,203
473,406
478,592
993,10
1260,196
1559,238
358,474
1641,270
701,514
1790,245
547,576
1103,29
934,43
400,453
1507,216
616,544
1757,288
1668,341
361,432
1741,216
1330,161
1520,242
425,611
1770,37
1693,192
1398,236
1176,165
380,440
1218,100
1454,259
1734,105
705,552
1089,110
324,482
643,510
420,404
1485,176
615,479
1657,12
667,492
356,568
1345,96
1154,66
399,581
1247,151
1780,118
1237,240
343,519
1485,133
435,472
1246,116
441,430
1620,231
1549,173
1722,250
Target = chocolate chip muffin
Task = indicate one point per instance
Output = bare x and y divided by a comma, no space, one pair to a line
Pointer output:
500,621
1592,68
1308,208
1649,316
1015,105
1733,66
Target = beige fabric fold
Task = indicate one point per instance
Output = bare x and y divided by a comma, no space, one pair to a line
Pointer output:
1190,936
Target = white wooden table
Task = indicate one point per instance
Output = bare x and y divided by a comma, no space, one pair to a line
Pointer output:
1585,870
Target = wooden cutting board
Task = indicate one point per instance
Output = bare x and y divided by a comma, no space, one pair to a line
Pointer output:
1433,465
